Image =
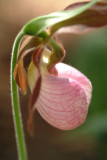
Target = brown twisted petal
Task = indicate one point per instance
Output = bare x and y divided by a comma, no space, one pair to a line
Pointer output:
20,76
27,46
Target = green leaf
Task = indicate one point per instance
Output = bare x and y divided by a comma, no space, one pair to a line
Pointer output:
38,25
92,18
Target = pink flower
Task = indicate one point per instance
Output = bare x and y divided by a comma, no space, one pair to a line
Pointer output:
59,92
64,98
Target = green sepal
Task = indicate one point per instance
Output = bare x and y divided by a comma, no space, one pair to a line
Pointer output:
37,26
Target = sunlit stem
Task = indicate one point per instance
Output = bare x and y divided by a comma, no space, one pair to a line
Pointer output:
56,47
22,153
50,40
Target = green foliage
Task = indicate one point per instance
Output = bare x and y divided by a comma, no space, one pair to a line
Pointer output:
38,25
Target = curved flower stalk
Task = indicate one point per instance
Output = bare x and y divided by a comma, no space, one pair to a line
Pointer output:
59,92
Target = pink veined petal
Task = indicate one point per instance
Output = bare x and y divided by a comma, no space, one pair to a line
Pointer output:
62,101
70,72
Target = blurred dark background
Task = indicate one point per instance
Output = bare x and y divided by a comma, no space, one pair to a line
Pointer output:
88,53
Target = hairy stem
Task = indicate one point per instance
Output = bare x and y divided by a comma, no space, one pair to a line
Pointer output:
22,154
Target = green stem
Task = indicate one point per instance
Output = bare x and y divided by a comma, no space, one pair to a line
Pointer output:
22,154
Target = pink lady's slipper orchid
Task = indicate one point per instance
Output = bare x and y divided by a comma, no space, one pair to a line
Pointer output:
59,92
64,98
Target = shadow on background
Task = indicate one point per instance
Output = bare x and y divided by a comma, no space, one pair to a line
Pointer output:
89,55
